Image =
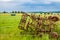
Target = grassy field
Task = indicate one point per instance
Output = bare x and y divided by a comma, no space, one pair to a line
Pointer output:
9,29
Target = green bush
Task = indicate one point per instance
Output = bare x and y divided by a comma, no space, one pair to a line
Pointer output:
13,14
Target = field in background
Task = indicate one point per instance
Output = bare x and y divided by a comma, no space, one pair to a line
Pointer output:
9,28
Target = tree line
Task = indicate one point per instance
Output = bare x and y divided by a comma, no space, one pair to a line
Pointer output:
13,12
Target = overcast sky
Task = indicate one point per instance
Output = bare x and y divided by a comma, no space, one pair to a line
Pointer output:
30,5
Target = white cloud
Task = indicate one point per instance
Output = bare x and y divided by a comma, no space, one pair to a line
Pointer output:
32,1
7,4
17,5
5,0
54,0
11,3
46,1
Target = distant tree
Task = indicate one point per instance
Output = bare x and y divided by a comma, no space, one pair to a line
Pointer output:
12,12
48,13
44,12
40,12
18,11
23,12
5,12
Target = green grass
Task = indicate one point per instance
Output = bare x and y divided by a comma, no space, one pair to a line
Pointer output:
9,29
